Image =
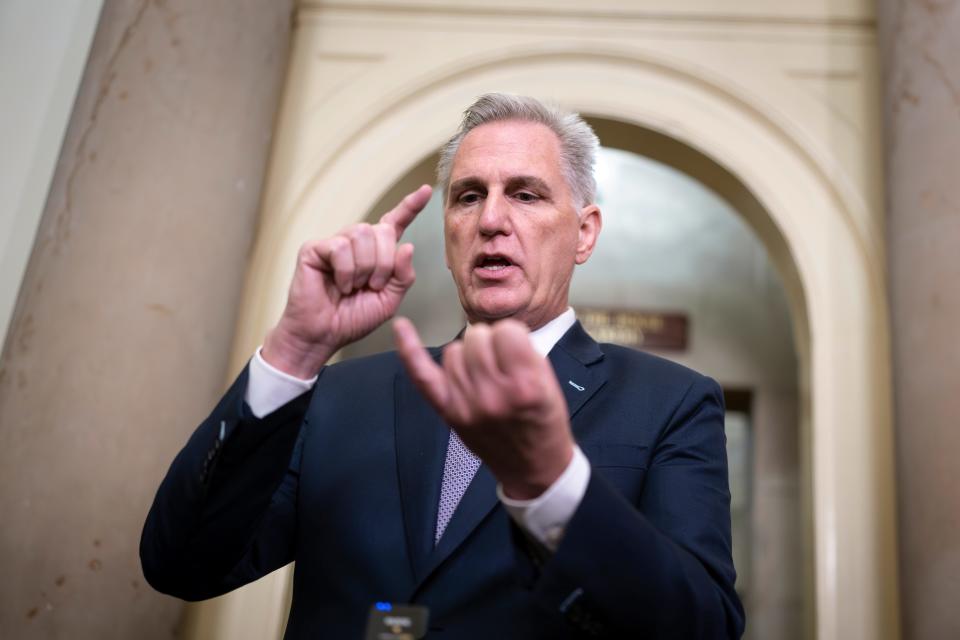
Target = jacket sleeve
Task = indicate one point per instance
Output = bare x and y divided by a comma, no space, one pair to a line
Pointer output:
661,568
225,514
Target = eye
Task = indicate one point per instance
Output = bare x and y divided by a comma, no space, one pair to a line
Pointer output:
526,196
469,197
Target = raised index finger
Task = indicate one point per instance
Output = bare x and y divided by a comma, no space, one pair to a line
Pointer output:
403,214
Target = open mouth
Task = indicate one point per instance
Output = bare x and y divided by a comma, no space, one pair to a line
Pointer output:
493,263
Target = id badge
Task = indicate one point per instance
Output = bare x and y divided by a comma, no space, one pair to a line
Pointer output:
389,621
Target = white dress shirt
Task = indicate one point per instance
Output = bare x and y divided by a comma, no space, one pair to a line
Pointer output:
545,517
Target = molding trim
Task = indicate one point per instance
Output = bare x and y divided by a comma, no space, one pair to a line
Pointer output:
636,14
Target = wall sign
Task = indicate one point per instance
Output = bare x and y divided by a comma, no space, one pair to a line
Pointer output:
636,328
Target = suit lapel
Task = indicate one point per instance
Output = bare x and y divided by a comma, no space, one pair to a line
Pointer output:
476,504
421,441
571,358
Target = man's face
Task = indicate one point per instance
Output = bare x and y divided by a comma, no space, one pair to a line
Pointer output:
513,232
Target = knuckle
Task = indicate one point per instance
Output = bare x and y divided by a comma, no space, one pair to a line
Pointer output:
311,246
362,231
525,393
384,230
494,407
341,259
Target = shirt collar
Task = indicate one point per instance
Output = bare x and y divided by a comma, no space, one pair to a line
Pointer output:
547,336
544,338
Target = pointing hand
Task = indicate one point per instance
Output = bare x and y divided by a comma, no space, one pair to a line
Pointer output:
502,399
343,288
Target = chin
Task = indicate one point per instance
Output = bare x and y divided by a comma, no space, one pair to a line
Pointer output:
491,311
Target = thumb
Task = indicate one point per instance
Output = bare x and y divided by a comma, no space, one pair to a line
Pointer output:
426,374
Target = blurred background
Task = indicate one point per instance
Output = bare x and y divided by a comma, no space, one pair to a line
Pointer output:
780,184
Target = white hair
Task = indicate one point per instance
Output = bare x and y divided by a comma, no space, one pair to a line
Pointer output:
578,142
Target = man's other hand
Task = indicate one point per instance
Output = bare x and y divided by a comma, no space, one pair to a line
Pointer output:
343,288
501,397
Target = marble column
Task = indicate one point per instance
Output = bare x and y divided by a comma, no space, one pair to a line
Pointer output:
123,328
920,47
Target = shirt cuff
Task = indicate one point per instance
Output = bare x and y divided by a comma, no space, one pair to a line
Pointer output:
546,516
268,388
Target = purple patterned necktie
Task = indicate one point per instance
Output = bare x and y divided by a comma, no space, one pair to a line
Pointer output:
458,470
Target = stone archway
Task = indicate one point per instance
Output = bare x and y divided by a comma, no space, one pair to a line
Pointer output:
814,221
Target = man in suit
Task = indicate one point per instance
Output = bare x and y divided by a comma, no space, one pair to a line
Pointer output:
581,494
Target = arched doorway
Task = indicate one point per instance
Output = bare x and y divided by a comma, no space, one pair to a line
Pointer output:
814,223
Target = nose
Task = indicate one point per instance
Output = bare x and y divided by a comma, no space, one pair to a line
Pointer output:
495,216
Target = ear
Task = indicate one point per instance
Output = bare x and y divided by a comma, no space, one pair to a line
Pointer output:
590,223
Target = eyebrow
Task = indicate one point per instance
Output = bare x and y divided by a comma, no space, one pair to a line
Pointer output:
532,182
515,182
464,184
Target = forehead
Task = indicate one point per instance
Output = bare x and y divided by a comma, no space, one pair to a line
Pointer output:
500,149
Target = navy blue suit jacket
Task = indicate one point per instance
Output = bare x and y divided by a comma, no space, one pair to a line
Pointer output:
345,480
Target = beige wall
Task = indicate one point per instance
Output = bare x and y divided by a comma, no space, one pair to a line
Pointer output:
34,112
121,334
921,53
